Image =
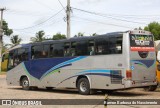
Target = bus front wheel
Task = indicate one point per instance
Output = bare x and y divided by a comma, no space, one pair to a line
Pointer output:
25,83
83,86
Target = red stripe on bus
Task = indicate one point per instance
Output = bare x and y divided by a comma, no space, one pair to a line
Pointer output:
142,49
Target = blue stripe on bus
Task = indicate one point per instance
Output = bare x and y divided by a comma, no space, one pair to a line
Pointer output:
99,74
41,67
95,71
63,65
146,63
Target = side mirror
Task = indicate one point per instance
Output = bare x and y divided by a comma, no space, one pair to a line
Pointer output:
158,55
158,67
3,57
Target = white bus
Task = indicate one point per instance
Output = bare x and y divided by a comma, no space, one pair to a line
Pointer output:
112,61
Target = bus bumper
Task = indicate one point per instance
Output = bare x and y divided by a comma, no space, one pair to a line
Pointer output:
136,84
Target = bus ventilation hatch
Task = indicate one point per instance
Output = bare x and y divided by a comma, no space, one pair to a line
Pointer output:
116,77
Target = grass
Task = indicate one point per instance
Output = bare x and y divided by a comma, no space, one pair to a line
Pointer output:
3,73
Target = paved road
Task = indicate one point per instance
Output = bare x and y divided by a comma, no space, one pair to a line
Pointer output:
7,92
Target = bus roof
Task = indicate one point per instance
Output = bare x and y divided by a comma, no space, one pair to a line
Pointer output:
83,38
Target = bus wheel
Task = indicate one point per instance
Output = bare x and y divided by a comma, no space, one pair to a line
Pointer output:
151,88
25,84
83,86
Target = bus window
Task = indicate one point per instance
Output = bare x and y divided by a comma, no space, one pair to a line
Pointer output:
10,60
81,48
13,59
91,50
46,51
101,46
115,45
22,54
73,49
56,50
37,52
66,49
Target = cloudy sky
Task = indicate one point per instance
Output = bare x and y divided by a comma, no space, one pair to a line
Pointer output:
26,17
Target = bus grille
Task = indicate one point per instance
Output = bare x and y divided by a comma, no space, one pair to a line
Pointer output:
116,77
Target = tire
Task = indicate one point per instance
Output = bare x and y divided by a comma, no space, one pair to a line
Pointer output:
25,84
151,88
83,86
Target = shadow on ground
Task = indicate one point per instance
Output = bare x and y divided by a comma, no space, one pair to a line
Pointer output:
74,91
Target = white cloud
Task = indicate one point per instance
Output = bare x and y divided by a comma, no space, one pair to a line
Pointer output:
37,11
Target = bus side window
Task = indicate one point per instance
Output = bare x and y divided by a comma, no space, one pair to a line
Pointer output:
119,45
81,48
91,50
22,54
57,50
115,45
36,51
67,49
15,58
51,51
10,60
101,46
73,49
46,51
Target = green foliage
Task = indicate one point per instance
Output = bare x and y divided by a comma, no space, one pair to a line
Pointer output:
59,36
94,34
138,28
6,29
15,40
154,28
39,37
79,34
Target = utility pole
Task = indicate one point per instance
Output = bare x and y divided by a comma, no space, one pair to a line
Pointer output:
68,19
1,35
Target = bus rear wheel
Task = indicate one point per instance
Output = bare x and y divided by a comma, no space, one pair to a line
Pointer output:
83,86
25,84
151,88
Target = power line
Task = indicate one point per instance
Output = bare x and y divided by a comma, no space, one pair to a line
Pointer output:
25,13
102,22
43,5
62,5
99,14
41,22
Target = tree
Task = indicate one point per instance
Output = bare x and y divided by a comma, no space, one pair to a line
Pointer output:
39,37
94,34
7,31
15,40
59,36
154,28
138,28
79,34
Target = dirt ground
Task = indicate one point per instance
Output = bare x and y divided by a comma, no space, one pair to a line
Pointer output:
8,92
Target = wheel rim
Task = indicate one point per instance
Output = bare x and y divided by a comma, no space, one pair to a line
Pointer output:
25,83
83,86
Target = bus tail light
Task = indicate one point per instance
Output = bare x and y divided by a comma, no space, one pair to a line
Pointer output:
128,74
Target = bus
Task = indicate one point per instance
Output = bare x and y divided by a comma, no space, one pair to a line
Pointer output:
113,61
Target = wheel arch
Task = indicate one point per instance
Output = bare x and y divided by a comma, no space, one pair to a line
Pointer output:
20,80
83,76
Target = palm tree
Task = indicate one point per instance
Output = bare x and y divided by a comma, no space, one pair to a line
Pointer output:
15,40
39,37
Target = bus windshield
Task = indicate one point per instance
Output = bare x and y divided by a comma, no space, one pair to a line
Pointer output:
141,42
